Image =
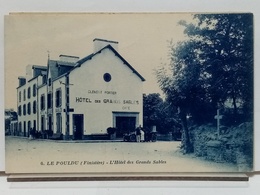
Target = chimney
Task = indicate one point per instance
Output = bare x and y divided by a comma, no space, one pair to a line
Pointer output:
29,72
22,81
101,43
67,58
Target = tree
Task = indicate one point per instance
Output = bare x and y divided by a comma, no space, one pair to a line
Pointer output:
183,88
151,104
225,45
214,65
158,112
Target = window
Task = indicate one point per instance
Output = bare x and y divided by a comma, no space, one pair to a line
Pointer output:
29,108
20,127
34,107
29,126
42,102
58,98
44,79
24,109
107,77
49,100
19,110
29,93
34,90
42,123
20,96
49,81
24,95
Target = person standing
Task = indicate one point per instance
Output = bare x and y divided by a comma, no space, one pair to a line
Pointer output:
142,135
138,133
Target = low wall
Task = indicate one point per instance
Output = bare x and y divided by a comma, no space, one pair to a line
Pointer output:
235,145
165,137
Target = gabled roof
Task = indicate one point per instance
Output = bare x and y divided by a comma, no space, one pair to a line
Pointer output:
62,63
39,67
58,68
38,70
81,61
89,57
105,40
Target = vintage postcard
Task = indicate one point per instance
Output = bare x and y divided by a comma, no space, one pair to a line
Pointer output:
129,93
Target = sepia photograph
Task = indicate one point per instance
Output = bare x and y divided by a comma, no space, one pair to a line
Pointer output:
120,93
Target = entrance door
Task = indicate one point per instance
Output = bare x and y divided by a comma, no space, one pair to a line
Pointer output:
34,124
43,123
29,128
125,125
50,123
58,123
78,126
24,129
20,128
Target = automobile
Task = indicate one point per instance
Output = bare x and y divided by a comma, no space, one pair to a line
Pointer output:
129,137
148,136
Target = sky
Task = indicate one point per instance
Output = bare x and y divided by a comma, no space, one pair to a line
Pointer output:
143,41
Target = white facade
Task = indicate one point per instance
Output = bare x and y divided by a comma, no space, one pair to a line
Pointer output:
27,104
85,98
42,108
101,101
59,106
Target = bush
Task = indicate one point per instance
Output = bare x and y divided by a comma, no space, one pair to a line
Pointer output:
111,130
241,140
200,136
236,142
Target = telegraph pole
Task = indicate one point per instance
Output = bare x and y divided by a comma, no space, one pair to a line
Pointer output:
218,117
67,135
67,108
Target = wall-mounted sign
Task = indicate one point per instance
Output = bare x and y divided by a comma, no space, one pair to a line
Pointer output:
106,101
102,92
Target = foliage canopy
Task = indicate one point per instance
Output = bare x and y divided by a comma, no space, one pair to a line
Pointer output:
212,69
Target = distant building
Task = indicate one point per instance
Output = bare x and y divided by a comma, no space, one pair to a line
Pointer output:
10,121
79,98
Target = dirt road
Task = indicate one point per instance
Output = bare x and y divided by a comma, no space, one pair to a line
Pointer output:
38,156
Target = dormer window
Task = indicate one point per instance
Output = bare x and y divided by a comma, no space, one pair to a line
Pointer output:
44,79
